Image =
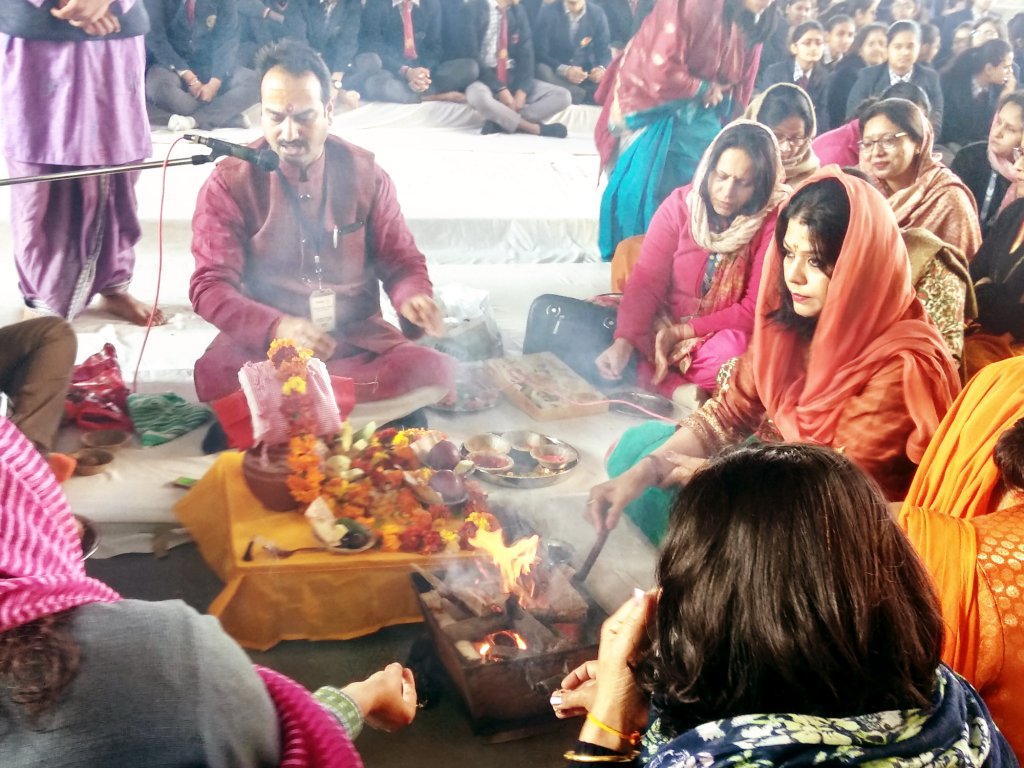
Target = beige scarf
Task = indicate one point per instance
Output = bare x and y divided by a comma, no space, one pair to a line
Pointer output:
802,165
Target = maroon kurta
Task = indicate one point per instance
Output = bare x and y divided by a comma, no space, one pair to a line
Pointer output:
251,270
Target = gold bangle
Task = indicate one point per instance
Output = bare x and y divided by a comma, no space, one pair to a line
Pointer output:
632,738
575,757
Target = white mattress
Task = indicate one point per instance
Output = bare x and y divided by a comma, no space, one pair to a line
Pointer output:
513,215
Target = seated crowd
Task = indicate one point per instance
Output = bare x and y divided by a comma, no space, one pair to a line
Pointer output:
822,284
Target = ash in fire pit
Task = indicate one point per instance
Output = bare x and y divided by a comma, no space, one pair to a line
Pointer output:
508,628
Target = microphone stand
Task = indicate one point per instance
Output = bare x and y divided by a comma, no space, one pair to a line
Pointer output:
111,169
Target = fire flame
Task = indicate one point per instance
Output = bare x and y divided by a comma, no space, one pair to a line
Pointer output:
510,637
512,562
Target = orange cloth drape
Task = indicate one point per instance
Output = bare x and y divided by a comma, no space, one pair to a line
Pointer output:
871,318
976,555
627,253
309,596
956,475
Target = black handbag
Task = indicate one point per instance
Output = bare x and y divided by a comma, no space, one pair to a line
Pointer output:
576,331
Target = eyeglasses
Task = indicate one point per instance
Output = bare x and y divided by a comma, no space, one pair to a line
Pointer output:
793,142
887,143
1018,153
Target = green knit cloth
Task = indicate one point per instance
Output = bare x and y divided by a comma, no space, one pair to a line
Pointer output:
161,418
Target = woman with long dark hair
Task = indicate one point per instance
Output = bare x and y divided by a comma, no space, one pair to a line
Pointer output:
842,355
972,86
792,624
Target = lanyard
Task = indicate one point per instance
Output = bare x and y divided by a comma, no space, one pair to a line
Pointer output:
312,237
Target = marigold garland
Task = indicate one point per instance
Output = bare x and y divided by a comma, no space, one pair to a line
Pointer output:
376,494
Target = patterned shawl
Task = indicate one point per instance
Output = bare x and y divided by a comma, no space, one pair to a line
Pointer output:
930,201
955,732
871,317
41,569
732,244
804,163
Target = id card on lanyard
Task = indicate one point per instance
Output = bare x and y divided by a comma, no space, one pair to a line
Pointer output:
322,301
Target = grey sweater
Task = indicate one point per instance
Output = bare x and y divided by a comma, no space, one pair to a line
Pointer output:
158,685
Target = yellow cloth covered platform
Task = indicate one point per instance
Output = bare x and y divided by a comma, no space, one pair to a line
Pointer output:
309,596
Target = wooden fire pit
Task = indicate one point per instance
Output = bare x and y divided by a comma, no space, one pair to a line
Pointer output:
507,688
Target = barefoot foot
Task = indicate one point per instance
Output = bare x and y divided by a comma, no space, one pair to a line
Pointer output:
127,307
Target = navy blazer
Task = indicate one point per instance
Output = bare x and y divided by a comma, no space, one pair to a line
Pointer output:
555,46
622,21
382,33
208,46
872,81
336,37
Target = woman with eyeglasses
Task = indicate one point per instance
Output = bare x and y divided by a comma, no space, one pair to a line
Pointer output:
842,355
998,274
972,86
986,167
787,111
896,153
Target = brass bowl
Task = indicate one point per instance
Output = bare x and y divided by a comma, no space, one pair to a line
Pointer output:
105,439
92,461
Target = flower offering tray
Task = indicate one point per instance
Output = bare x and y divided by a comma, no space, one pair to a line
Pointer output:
520,459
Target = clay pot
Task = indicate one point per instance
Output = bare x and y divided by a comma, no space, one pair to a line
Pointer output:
266,472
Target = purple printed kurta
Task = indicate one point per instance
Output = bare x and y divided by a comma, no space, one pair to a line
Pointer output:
67,106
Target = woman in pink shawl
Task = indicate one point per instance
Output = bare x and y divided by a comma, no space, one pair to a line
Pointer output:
687,71
87,678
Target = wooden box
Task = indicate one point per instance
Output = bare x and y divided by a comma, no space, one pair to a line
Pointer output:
545,388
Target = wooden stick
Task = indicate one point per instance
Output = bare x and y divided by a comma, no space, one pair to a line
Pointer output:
584,571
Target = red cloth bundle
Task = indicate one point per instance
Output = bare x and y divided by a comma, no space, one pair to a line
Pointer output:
98,397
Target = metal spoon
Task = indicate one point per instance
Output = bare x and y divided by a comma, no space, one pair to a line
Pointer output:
274,550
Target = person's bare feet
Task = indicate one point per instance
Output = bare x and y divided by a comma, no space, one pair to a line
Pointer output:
127,307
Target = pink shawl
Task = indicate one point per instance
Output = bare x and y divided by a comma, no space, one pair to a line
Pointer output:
310,736
41,570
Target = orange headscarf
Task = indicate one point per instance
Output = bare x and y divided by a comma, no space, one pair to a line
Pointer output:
957,475
871,317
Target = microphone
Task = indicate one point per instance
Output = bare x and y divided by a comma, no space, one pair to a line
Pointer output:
264,159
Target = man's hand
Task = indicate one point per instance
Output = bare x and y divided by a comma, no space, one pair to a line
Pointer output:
80,13
519,101
505,97
423,311
418,78
574,74
208,92
387,698
596,74
108,25
307,334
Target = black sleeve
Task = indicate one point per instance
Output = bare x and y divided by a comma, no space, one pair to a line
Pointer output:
934,92
547,26
428,53
224,41
860,91
602,38
158,46
523,73
342,44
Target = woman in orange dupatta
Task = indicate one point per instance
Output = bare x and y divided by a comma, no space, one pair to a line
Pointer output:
966,520
864,371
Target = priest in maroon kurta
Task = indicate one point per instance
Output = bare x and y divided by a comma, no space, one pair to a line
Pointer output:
327,221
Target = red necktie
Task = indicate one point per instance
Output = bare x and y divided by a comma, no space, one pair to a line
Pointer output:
407,31
503,48
190,11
